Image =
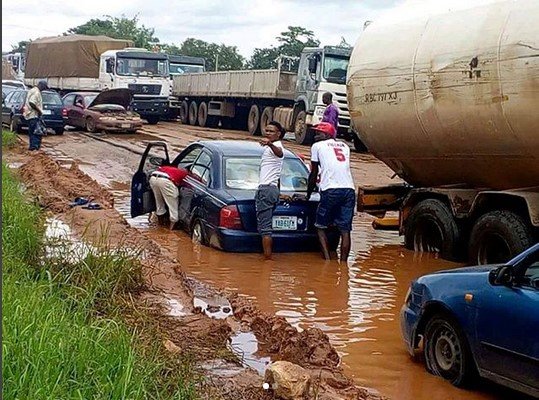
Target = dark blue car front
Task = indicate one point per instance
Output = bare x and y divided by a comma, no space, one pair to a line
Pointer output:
478,321
217,196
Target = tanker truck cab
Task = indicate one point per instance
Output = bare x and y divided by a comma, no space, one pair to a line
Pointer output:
322,70
143,72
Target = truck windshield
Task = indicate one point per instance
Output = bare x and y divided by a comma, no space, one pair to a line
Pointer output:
178,69
335,68
141,67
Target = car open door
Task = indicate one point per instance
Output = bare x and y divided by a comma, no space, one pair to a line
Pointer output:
142,198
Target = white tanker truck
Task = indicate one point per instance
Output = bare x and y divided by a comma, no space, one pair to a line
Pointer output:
451,104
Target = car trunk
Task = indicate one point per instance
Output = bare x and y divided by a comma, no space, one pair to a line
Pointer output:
301,211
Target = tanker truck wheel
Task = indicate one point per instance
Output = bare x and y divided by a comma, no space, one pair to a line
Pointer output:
430,227
193,113
498,236
184,112
253,120
302,132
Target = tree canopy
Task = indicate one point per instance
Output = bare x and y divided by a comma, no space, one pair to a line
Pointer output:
119,28
291,43
224,57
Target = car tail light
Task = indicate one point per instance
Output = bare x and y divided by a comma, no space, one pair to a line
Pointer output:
230,218
64,112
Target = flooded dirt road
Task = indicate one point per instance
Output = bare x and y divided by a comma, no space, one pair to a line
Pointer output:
356,304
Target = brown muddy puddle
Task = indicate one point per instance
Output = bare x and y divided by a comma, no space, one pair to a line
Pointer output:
356,305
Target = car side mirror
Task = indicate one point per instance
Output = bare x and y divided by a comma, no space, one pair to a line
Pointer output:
502,276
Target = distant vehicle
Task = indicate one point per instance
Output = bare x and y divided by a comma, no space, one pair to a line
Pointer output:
13,83
53,111
178,65
217,197
479,320
105,111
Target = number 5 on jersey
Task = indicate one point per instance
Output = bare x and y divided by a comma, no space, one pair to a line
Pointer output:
339,154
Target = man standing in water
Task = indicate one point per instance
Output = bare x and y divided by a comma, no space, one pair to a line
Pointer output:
337,195
267,195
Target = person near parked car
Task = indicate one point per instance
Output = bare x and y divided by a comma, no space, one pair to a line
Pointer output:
165,183
331,158
331,113
33,110
267,195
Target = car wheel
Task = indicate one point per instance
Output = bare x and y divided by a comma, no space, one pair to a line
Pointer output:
152,119
197,233
90,125
447,353
430,227
498,236
59,131
14,127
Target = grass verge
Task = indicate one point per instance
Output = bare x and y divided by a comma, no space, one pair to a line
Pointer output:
64,334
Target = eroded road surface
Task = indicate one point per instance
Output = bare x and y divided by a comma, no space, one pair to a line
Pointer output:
357,304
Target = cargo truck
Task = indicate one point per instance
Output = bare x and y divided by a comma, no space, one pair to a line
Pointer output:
249,99
450,103
94,63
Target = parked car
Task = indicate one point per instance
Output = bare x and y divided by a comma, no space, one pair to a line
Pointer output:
9,86
53,111
217,197
478,321
102,111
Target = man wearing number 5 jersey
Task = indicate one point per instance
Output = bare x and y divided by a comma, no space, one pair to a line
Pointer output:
331,158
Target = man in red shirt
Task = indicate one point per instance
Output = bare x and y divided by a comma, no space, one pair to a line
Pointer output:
164,183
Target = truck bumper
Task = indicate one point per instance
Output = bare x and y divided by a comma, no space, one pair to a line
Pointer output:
151,107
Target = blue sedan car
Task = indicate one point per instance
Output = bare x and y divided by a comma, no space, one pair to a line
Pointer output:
478,321
217,204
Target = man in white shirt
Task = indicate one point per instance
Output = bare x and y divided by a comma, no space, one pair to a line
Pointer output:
33,110
337,195
267,195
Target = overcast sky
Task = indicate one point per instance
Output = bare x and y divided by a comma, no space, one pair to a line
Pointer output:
245,23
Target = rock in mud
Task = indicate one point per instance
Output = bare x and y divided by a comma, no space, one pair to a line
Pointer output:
288,381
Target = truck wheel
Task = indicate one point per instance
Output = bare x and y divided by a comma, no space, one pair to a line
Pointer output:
90,125
184,112
152,119
193,113
358,144
202,114
498,236
430,227
303,134
253,120
266,118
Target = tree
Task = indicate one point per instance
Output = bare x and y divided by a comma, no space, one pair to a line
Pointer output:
225,57
118,28
21,46
291,44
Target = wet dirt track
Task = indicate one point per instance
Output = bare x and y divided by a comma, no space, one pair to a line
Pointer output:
357,304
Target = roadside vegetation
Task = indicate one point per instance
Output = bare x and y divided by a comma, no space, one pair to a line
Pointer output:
70,328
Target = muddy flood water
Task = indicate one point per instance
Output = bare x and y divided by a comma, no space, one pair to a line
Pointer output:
357,305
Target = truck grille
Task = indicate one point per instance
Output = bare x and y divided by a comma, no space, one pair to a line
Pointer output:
138,88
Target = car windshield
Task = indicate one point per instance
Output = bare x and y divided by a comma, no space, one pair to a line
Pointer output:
89,98
141,67
178,69
51,98
335,68
243,174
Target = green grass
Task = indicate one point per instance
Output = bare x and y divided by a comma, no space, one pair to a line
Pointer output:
64,334
8,138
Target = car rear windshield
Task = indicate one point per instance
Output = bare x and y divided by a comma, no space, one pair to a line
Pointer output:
243,174
51,98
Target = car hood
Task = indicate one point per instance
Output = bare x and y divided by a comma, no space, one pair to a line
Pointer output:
466,270
120,97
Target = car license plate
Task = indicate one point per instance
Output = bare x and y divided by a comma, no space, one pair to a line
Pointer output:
47,112
126,126
285,223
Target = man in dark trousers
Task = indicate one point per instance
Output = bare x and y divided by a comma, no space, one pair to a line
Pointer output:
33,110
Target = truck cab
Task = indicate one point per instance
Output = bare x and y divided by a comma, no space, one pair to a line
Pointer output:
185,65
323,70
145,73
17,61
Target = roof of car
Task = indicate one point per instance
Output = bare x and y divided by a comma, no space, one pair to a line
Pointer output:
83,93
237,147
